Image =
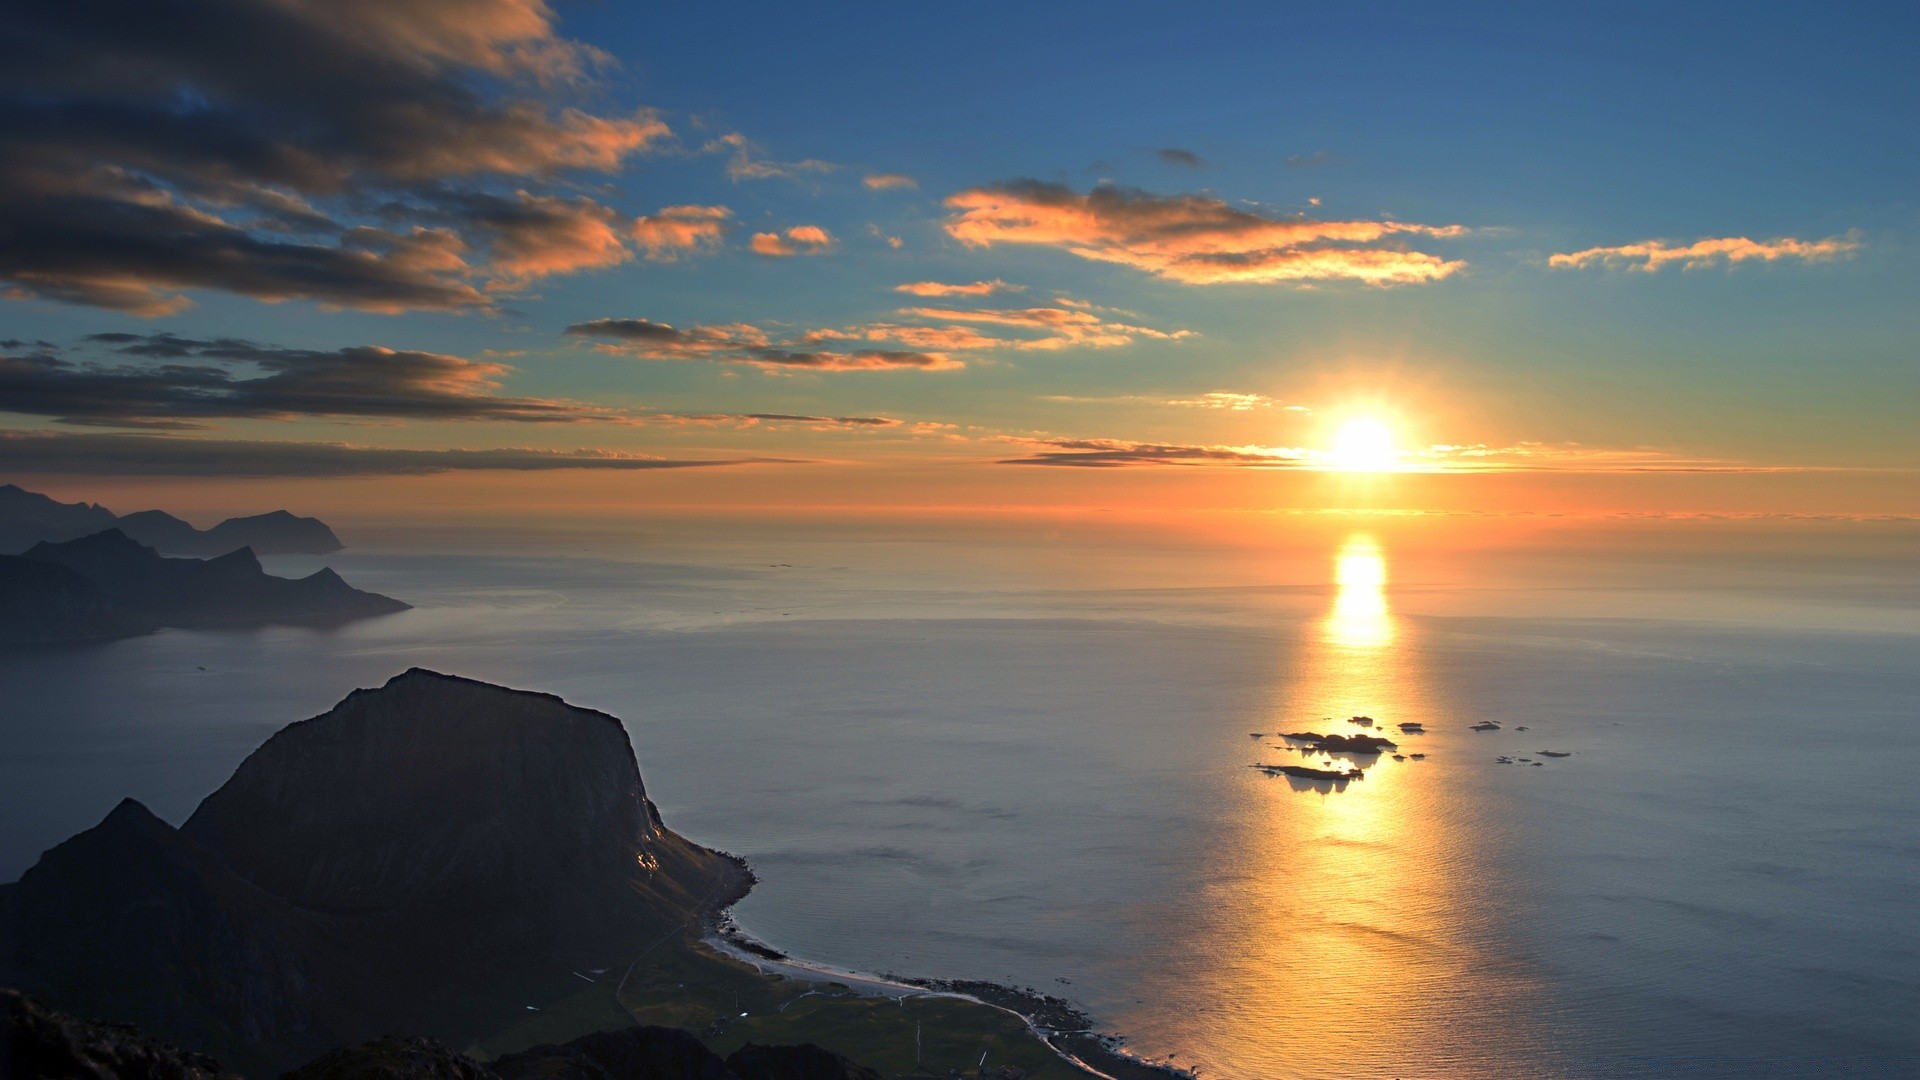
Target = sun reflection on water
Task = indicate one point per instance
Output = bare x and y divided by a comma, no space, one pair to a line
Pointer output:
1350,937
1359,619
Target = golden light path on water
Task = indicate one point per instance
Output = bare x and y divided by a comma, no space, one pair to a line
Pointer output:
1349,925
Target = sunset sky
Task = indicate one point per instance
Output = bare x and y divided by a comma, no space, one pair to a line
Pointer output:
1626,260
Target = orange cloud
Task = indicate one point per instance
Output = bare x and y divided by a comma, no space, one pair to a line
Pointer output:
1195,239
1064,327
888,181
543,235
798,240
680,230
977,288
1652,255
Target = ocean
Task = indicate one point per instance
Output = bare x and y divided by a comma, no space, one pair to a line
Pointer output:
1020,750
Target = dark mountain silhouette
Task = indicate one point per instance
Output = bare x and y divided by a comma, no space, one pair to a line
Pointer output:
424,858
113,586
28,518
43,601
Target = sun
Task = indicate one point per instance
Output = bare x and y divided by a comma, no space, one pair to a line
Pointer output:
1363,444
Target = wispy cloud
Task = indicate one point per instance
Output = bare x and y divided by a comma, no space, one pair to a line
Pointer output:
1652,255
1195,239
54,453
889,181
1438,458
972,288
744,164
1173,155
1119,454
798,240
1233,402
681,230
1055,327
741,343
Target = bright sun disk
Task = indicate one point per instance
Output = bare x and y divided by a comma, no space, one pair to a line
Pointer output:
1363,445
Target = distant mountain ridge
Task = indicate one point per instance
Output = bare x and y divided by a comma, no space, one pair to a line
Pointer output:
425,857
28,518
108,585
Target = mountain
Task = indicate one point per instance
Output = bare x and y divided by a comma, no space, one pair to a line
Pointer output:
113,586
28,518
42,601
273,533
425,857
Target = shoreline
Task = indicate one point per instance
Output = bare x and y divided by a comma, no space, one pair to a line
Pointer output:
1064,1028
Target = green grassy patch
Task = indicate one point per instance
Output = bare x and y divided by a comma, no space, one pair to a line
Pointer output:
684,984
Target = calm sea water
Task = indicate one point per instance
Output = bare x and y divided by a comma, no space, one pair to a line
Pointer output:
1023,755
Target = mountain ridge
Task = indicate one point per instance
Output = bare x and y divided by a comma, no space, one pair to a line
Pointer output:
28,518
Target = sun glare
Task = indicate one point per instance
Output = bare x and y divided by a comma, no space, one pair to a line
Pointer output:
1363,445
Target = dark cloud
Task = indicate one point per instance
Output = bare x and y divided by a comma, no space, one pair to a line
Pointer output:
841,421
230,378
743,344
1173,155
151,149
49,453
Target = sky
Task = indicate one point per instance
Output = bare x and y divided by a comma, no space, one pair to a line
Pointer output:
1482,259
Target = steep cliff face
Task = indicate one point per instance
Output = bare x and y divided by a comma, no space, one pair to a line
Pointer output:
472,807
424,858
133,921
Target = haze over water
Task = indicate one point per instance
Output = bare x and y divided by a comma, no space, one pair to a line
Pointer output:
1021,752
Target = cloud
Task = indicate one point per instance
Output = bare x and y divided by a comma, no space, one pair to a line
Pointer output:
533,236
1173,155
798,240
1117,454
749,345
891,345
50,453
1195,239
1311,161
1059,327
680,230
888,181
1438,458
231,378
1652,255
1229,401
975,288
743,165
233,145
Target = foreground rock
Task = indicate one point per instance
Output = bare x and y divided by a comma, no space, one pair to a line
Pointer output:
40,1043
424,858
37,1042
113,586
28,518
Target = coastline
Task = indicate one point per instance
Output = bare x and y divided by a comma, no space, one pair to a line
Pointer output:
1065,1029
